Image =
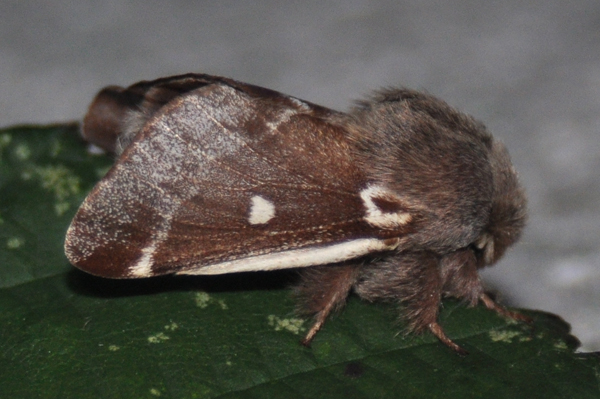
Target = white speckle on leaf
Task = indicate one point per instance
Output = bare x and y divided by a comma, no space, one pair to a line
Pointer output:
172,327
292,325
154,391
113,348
57,179
202,299
14,242
158,338
561,345
22,152
503,336
5,140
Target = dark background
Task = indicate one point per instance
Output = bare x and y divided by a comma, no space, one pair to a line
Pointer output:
530,70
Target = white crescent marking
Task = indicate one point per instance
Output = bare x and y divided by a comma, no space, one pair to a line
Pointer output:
374,216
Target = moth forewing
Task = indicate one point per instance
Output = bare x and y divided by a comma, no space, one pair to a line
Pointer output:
218,181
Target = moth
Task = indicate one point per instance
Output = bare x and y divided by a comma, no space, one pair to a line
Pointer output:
401,199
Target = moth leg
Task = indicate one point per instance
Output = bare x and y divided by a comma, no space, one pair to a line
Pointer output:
492,305
437,330
320,318
461,280
413,279
323,290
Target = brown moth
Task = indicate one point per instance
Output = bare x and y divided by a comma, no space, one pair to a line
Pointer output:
401,199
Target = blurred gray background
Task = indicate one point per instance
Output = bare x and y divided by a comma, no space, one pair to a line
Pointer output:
530,70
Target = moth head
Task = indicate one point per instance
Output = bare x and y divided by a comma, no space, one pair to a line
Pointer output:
508,212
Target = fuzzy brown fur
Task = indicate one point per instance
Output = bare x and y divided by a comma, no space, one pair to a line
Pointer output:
468,206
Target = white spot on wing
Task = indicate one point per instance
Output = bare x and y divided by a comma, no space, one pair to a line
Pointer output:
375,216
302,106
261,210
143,267
300,257
282,117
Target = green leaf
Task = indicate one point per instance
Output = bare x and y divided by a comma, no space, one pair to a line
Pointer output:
67,334
45,173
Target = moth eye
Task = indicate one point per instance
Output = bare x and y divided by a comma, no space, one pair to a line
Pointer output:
383,209
261,210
